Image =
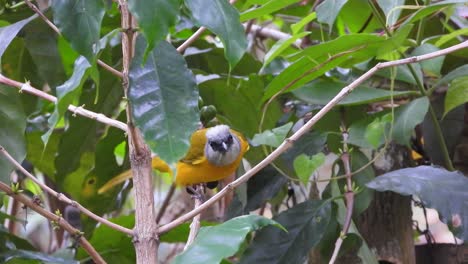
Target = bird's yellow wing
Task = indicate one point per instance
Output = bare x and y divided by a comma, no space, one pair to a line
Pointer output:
196,152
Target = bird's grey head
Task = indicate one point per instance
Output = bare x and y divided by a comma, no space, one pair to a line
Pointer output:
222,147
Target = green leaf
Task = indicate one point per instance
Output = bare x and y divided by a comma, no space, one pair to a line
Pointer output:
266,9
42,157
180,233
305,166
238,103
315,60
12,126
436,187
458,72
154,27
375,130
114,247
80,22
429,9
223,240
280,46
306,224
430,67
164,98
322,91
272,137
328,10
407,117
222,19
391,9
296,27
8,33
41,42
457,94
66,93
33,255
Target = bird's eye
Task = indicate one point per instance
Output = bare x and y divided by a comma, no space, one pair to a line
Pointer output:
229,140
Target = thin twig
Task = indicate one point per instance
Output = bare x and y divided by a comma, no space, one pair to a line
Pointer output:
195,226
349,194
83,242
165,203
26,87
306,128
62,197
55,28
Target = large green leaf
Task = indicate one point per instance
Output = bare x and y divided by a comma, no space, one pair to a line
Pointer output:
322,91
305,165
456,73
436,188
237,102
80,23
315,60
42,157
164,100
66,93
306,223
12,126
8,33
391,9
328,10
266,9
457,94
215,243
407,117
222,19
41,42
114,247
155,17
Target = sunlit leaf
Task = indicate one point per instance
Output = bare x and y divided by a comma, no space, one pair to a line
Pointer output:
272,137
305,165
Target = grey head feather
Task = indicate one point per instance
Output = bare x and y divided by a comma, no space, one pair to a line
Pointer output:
222,147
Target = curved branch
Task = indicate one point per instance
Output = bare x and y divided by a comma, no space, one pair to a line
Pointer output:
62,197
304,129
26,87
56,219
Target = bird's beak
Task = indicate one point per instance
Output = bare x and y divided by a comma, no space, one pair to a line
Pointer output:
225,147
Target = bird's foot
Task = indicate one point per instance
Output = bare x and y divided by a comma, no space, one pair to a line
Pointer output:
197,192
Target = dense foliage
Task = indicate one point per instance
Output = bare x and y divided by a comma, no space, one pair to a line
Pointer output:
264,67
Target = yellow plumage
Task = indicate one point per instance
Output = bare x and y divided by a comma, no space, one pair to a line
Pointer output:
195,168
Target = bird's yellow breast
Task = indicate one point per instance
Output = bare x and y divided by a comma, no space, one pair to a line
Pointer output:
195,168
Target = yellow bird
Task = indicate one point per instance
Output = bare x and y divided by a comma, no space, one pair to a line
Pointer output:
214,154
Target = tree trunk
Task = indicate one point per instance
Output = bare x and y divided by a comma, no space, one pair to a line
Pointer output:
387,223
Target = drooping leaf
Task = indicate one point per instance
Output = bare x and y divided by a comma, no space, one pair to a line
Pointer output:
114,247
80,22
266,9
407,117
272,137
328,10
164,99
12,126
223,240
305,165
457,94
436,187
8,33
222,19
66,93
41,42
322,91
306,223
430,67
154,27
391,10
